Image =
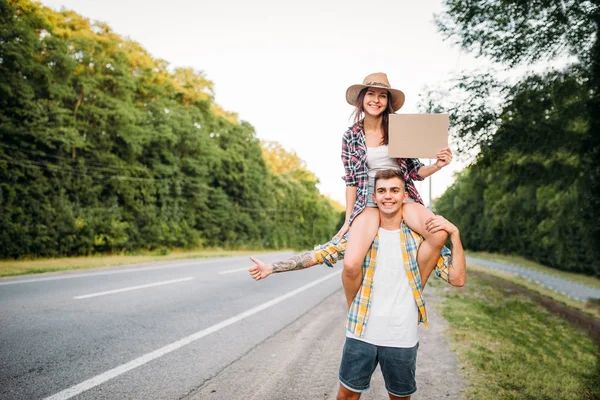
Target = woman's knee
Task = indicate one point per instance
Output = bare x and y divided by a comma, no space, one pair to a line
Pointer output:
352,267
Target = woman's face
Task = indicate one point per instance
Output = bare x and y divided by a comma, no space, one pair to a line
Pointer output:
375,101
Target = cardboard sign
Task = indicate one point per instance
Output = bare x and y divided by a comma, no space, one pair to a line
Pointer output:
417,135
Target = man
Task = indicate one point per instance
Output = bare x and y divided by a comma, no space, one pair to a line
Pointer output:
383,318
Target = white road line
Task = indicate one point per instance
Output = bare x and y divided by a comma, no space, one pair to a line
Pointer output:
127,289
121,369
231,271
101,273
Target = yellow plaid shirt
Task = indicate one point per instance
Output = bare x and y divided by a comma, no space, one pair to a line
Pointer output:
358,315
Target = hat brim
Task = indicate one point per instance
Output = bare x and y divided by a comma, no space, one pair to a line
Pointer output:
354,90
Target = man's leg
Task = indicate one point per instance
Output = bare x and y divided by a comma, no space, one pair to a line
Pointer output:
346,394
359,360
399,367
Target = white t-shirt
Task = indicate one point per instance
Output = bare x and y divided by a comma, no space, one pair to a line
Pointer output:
378,159
393,316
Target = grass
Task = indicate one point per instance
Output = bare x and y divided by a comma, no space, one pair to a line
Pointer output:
38,266
590,307
510,347
521,261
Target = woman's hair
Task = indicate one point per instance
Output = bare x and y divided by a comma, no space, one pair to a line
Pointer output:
359,113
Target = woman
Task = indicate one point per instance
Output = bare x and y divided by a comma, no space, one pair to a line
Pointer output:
364,152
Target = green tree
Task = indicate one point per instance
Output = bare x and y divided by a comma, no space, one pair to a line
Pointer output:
523,193
516,32
103,149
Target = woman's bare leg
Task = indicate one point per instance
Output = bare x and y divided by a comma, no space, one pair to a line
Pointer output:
360,238
415,215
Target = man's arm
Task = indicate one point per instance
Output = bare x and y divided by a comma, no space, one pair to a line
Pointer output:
261,270
328,253
457,276
457,270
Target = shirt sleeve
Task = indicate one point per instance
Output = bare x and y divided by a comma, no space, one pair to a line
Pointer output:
331,252
442,269
413,165
347,150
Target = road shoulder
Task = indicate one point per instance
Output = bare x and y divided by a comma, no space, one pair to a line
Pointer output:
302,360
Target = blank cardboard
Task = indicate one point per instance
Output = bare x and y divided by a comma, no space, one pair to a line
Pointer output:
417,135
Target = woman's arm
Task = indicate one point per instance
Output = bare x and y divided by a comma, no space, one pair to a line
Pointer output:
350,179
350,200
428,170
347,151
444,157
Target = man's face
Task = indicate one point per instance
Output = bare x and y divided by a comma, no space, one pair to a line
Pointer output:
390,195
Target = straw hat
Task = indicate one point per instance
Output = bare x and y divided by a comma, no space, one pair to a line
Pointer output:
380,80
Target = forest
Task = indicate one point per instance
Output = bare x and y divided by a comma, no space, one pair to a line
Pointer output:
533,188
106,149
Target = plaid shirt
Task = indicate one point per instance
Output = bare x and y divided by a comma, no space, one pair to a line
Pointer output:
358,316
354,157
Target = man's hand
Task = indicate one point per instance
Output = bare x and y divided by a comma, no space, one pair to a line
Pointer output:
439,223
457,275
259,270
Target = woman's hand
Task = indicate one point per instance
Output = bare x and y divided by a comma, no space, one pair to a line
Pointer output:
438,223
342,231
444,157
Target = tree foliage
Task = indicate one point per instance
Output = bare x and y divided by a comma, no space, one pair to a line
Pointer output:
523,194
281,161
516,31
534,188
103,148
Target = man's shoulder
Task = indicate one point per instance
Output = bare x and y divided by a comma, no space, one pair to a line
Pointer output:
410,235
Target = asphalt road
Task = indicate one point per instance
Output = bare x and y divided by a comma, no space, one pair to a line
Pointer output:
194,329
302,360
159,331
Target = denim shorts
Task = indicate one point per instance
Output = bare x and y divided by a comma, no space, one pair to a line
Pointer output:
370,202
398,366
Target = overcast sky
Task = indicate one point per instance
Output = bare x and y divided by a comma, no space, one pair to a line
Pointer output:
284,66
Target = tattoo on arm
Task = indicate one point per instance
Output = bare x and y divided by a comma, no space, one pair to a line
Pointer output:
301,261
450,265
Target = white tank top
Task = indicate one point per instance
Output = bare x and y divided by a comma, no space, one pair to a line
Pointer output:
378,159
393,316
